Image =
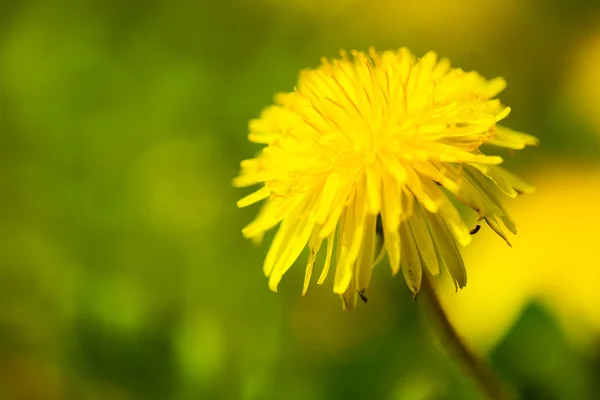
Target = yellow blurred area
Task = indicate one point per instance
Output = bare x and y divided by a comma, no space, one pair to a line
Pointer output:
315,7
554,259
582,83
466,19
459,23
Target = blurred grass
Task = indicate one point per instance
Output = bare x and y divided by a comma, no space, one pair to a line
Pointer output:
123,274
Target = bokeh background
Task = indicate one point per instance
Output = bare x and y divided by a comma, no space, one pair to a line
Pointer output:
123,273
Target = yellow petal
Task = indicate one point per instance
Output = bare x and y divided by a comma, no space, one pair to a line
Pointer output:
423,240
411,262
350,242
505,137
364,263
257,196
373,190
447,250
294,246
325,271
314,244
491,172
455,223
330,189
343,270
514,181
427,192
273,213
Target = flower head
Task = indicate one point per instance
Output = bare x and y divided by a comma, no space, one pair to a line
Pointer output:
367,154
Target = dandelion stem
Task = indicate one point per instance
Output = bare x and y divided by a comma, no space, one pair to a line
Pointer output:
493,387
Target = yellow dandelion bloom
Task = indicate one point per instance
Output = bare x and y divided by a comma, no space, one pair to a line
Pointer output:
366,154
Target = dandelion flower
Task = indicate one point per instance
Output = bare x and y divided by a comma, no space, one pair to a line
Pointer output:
369,154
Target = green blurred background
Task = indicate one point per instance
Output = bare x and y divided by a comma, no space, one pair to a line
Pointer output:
123,272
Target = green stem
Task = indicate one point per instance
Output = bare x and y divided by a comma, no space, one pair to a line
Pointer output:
488,381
